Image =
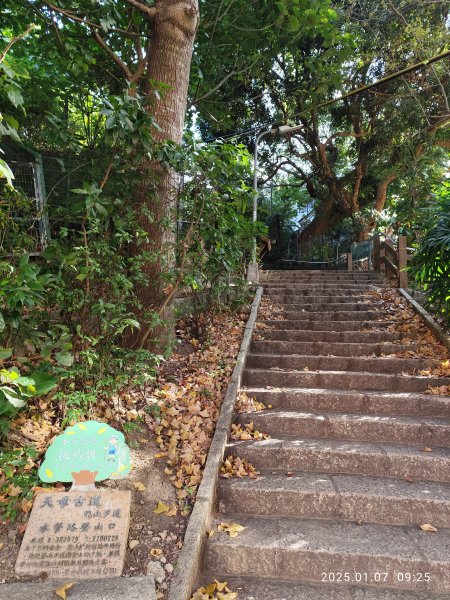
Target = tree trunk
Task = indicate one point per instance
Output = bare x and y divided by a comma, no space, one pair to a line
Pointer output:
167,79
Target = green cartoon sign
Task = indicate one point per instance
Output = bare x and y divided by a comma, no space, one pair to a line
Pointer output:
86,452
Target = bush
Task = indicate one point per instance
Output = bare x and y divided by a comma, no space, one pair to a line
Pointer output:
431,264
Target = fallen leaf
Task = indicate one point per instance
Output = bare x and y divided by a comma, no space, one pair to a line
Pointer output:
155,551
14,490
165,509
233,466
26,505
139,486
61,591
1,546
428,527
217,590
161,508
427,449
233,530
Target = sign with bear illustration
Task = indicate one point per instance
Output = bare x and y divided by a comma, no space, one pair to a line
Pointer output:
86,452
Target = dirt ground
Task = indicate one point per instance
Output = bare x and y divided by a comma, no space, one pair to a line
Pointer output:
197,376
154,541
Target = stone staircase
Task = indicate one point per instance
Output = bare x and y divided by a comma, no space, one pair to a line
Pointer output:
358,456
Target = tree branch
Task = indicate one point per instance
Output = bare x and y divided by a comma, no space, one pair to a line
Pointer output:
442,143
346,134
382,188
70,15
14,40
150,11
119,62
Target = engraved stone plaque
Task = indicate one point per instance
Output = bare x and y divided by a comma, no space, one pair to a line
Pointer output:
76,535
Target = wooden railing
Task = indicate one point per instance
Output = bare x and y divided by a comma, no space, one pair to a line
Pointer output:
391,260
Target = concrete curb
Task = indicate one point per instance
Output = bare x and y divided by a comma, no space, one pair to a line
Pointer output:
120,588
443,337
189,561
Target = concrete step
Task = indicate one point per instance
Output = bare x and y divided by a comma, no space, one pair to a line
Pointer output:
336,281
324,288
317,324
306,335
299,362
368,403
343,276
346,458
339,276
306,550
314,306
332,315
338,497
321,299
340,380
317,290
351,427
265,589
327,348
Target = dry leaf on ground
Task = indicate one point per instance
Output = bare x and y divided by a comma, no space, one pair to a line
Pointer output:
247,432
233,530
233,466
61,591
218,590
139,486
165,509
246,404
428,527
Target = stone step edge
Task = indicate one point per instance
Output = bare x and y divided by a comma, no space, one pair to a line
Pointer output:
303,391
337,544
352,417
290,589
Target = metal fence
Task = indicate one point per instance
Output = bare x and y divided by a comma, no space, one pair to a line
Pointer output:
29,178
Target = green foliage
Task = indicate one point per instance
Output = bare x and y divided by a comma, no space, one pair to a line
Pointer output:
23,286
16,389
16,221
11,71
20,476
431,264
218,233
283,208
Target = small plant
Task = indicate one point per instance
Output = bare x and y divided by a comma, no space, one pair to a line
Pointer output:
135,425
14,390
23,287
18,473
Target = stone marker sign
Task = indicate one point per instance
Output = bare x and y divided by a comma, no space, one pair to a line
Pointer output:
76,535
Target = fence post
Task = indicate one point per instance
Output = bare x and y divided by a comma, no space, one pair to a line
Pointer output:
376,254
349,262
402,262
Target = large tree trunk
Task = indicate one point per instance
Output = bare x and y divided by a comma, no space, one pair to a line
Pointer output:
167,79
339,203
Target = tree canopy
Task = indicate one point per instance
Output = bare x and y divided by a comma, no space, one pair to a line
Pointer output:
150,109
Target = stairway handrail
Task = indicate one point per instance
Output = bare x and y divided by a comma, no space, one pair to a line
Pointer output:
399,254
